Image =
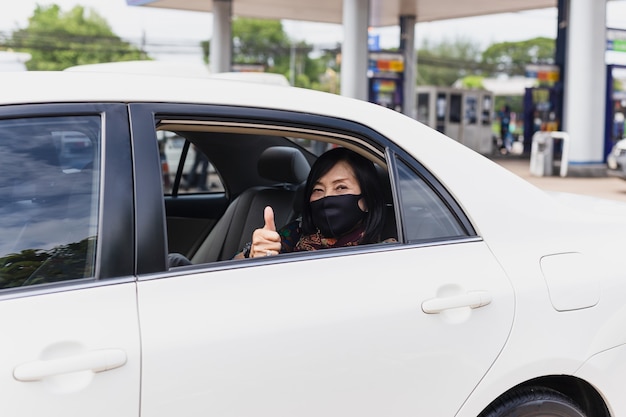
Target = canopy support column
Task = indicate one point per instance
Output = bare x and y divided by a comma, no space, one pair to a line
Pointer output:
354,49
585,89
221,43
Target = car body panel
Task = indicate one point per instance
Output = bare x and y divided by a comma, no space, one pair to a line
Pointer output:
278,335
607,370
57,332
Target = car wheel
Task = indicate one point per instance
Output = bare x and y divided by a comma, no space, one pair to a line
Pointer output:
533,401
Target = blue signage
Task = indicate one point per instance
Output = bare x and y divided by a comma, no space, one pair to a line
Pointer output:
373,42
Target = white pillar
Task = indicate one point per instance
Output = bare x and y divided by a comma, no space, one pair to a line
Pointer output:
221,43
585,81
354,49
407,44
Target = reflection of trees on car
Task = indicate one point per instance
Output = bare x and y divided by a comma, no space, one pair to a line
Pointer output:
39,266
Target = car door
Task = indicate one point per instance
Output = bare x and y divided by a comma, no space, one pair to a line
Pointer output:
333,335
405,328
67,289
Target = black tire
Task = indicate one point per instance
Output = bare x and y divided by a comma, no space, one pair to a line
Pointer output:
533,402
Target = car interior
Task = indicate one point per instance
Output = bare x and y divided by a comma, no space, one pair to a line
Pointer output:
249,168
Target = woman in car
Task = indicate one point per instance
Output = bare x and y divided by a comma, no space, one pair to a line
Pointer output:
343,206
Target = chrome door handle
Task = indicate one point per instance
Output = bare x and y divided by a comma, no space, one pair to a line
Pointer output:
471,299
95,361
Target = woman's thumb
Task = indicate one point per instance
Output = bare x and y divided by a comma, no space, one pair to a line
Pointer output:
268,216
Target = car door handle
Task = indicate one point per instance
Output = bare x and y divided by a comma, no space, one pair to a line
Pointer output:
96,361
471,299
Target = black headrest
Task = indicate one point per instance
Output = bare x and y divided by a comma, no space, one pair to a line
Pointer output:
283,164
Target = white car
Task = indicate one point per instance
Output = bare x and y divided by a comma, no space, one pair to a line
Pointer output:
497,300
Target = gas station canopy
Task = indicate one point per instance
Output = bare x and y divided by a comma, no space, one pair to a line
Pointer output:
581,28
383,12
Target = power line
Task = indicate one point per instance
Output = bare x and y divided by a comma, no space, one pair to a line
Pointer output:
53,41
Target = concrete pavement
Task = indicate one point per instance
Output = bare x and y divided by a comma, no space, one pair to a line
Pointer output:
599,186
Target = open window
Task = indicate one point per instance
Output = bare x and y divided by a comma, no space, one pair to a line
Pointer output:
250,166
262,162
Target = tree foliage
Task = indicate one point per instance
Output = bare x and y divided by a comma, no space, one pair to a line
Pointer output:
264,42
512,57
261,41
445,62
57,40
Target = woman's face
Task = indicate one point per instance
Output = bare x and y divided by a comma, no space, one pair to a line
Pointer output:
340,179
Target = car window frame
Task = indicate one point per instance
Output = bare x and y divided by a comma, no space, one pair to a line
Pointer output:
152,113
115,242
398,156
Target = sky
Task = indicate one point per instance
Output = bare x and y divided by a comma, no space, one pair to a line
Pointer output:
175,34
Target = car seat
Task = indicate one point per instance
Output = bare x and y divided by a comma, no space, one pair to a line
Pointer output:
288,168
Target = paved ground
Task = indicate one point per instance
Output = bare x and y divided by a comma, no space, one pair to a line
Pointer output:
606,187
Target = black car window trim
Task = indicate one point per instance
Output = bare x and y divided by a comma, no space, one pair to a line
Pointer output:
263,118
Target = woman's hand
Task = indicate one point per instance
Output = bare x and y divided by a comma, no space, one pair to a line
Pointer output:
266,241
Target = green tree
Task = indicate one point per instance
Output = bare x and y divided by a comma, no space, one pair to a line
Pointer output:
57,40
264,42
512,57
261,41
328,65
445,62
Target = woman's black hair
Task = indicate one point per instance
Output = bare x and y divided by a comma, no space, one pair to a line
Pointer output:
368,179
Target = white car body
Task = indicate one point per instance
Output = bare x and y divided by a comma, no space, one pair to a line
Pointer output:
539,295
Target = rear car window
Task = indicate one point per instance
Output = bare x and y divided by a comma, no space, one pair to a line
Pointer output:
49,193
426,216
197,174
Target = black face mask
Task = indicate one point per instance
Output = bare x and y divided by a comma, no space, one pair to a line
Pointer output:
336,215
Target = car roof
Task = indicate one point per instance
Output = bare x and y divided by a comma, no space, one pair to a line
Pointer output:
181,69
78,86
187,69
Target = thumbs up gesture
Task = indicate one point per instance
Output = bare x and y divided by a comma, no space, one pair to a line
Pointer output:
268,216
266,240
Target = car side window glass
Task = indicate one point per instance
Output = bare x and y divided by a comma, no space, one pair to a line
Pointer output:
198,174
49,194
425,215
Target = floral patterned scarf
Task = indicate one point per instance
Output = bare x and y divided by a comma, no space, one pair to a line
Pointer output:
317,241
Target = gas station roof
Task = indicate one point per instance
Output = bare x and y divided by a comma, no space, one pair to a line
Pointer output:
383,12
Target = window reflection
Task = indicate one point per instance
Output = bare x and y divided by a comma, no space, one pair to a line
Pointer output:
426,216
49,186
